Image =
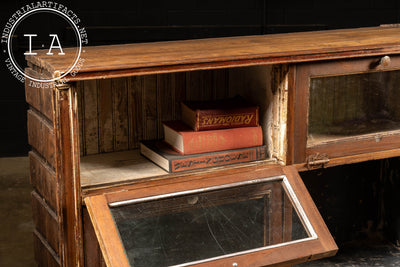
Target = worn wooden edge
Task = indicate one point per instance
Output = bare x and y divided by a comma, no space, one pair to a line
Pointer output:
106,231
353,159
172,178
195,181
267,60
314,43
328,244
67,172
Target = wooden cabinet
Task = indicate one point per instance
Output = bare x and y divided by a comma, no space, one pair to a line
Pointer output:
85,136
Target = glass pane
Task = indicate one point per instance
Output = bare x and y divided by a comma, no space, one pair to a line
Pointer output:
199,226
350,105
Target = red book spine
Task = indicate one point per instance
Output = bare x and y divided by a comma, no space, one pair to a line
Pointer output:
188,141
222,119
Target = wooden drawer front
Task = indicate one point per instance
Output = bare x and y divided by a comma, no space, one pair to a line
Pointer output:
44,254
43,179
41,136
39,95
46,221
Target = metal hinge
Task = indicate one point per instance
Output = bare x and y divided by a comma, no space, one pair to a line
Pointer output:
317,160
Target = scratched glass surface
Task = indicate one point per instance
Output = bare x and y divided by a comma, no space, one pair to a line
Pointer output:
200,226
349,105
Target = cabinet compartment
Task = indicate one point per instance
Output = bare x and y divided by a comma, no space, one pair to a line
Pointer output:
346,108
353,105
116,114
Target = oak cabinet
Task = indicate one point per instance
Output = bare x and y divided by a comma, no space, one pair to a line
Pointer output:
324,98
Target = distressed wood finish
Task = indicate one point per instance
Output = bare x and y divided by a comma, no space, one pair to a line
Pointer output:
67,172
44,254
39,95
110,243
41,136
125,60
43,179
46,222
92,251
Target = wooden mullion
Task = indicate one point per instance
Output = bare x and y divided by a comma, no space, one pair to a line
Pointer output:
67,172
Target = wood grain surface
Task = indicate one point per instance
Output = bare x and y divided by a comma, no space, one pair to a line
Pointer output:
220,52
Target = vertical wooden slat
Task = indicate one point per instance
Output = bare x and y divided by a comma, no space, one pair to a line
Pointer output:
179,83
150,123
90,118
199,85
67,171
81,114
135,110
165,100
220,83
105,109
120,114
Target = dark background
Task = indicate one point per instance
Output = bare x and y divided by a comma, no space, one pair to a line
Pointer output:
112,22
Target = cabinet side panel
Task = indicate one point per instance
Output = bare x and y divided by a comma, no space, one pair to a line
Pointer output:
39,95
46,221
43,179
41,136
44,254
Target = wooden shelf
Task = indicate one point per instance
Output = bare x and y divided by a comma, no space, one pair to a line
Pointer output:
107,169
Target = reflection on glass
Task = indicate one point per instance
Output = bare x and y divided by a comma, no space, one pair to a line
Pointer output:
199,226
349,105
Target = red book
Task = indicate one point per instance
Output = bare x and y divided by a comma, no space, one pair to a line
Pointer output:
222,114
187,141
167,158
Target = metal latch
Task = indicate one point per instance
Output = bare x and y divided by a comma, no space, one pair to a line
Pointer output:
317,160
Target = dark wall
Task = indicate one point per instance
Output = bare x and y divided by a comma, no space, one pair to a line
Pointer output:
358,201
110,22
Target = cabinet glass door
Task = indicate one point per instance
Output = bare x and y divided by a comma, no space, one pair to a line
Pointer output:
353,105
257,219
345,108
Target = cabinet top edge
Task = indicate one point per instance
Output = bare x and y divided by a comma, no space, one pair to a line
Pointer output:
158,57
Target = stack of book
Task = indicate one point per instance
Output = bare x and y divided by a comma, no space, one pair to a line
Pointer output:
210,134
